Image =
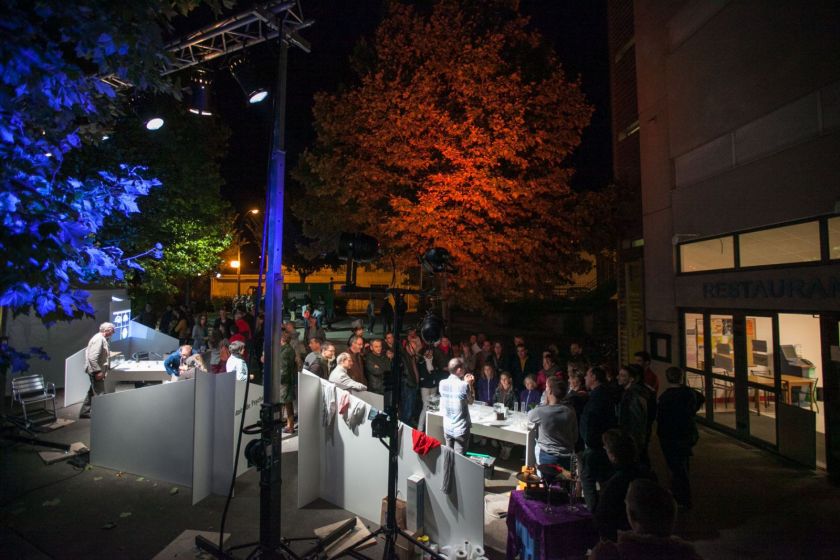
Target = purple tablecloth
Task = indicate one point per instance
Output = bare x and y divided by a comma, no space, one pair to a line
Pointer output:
539,535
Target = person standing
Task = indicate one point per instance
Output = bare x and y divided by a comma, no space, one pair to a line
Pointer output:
236,362
413,368
97,364
371,316
598,417
200,334
357,369
677,430
650,377
377,367
222,323
314,362
633,408
340,375
456,394
287,369
387,312
558,424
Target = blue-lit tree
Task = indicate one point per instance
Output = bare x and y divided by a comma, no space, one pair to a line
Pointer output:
51,103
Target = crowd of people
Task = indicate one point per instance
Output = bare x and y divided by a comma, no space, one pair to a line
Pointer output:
593,419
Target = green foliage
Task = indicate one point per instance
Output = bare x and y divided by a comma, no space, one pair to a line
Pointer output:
187,214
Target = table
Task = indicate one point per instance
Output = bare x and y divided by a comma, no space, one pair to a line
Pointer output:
133,371
791,381
535,534
484,424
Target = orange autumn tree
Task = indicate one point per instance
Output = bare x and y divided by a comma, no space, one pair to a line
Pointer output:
457,134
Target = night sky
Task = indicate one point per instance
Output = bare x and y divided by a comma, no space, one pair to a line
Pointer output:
576,28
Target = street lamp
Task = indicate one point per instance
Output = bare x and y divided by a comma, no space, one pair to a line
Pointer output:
237,264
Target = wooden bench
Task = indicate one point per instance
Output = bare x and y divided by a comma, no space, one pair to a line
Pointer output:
31,389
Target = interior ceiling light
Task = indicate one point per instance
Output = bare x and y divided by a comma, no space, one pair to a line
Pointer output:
245,75
201,101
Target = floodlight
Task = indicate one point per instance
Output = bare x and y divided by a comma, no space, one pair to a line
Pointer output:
153,123
358,247
431,328
201,102
436,260
244,74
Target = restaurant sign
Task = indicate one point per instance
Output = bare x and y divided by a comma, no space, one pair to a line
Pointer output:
811,288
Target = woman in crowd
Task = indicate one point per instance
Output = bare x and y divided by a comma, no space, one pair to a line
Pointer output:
549,369
200,334
504,391
182,328
467,355
486,385
530,395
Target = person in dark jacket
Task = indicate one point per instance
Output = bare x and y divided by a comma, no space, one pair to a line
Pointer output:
635,416
651,512
611,512
677,431
377,367
521,366
598,417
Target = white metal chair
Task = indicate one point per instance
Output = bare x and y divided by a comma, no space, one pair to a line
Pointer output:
31,389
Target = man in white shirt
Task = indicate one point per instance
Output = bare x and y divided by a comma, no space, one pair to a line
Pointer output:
341,378
235,362
456,394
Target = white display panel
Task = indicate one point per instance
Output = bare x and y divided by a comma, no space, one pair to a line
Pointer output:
76,381
353,468
146,431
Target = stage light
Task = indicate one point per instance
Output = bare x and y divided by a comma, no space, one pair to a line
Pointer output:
246,77
153,123
201,101
234,264
437,260
358,247
431,328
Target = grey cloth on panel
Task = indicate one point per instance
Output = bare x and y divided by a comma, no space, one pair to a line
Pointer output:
448,467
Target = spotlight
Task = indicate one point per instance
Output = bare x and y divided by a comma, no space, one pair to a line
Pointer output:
246,77
148,111
358,247
201,102
153,123
437,260
431,328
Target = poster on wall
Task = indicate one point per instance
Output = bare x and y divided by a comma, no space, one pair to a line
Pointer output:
121,318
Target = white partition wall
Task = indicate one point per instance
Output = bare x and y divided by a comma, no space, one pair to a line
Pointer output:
183,432
353,468
76,381
147,431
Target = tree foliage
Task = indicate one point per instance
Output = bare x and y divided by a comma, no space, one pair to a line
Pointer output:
51,103
457,134
187,211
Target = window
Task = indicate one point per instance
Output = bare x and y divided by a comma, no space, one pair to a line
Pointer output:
834,238
798,243
694,346
711,254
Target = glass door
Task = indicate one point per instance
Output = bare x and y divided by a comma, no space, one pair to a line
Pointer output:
762,377
721,352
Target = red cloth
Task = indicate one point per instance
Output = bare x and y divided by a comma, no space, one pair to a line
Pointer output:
423,443
244,328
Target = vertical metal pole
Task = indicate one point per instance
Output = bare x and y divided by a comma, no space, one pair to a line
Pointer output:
239,270
270,479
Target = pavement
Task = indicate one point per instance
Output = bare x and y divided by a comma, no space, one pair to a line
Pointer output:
748,504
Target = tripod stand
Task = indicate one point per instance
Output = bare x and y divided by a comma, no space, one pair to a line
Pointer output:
392,409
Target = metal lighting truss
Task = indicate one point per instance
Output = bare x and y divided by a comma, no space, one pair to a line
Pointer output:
251,27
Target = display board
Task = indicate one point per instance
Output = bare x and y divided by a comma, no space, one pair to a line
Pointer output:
142,339
352,469
182,432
